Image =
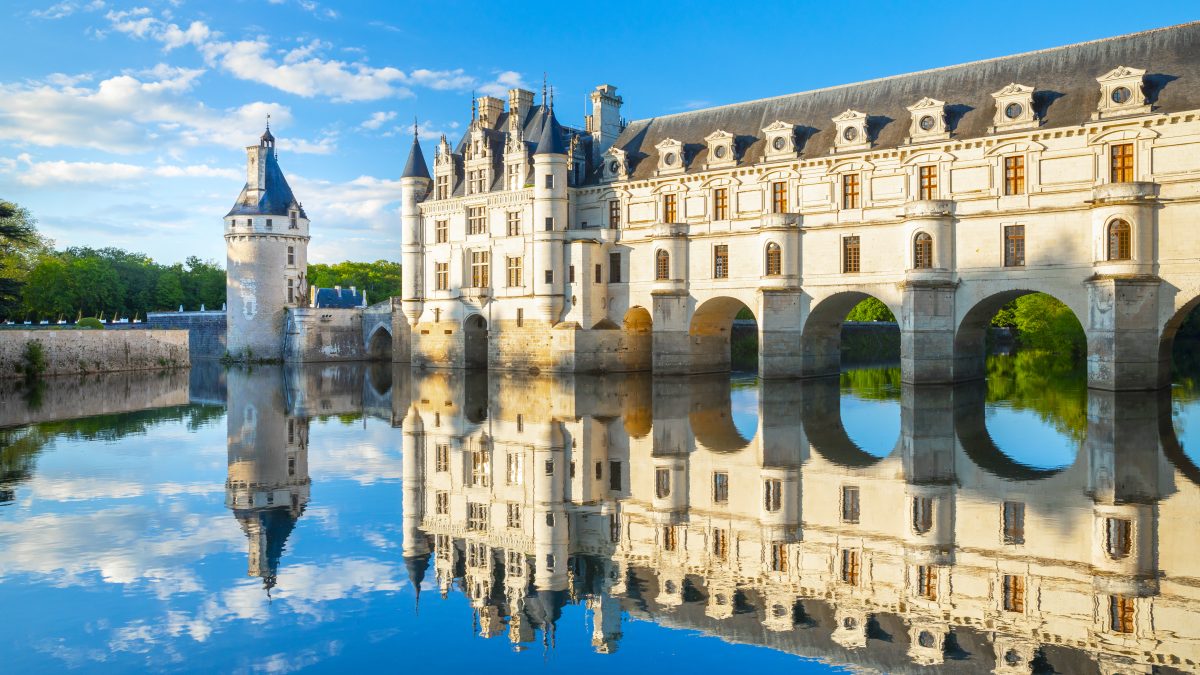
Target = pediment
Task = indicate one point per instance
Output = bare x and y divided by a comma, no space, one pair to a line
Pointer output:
667,144
1014,89
777,125
718,135
926,103
1121,73
850,115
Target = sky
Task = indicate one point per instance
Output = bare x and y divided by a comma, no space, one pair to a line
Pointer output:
123,123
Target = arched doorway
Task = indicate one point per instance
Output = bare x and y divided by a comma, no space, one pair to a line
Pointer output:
636,339
724,336
1033,321
475,342
873,337
379,347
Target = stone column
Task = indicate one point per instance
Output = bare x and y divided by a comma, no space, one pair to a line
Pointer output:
671,351
927,332
1123,332
779,333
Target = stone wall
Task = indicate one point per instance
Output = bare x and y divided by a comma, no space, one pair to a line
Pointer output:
323,334
73,396
206,330
70,352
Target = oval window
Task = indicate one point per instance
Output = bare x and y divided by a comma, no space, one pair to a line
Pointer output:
850,133
927,123
669,159
720,152
1121,95
778,143
1013,110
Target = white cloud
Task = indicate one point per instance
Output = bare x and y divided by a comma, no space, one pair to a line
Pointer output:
378,119
62,10
31,173
509,79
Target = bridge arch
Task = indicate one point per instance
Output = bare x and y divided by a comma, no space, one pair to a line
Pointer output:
475,342
825,430
379,344
821,334
711,331
1166,342
970,335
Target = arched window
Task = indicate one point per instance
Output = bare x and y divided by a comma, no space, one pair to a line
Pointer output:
922,251
1120,238
662,265
774,260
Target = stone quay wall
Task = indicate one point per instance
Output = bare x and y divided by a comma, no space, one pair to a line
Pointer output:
206,330
72,352
73,396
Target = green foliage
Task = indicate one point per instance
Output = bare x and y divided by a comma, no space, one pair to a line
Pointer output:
871,309
89,322
381,279
744,314
879,384
743,351
1043,324
33,360
1052,387
20,244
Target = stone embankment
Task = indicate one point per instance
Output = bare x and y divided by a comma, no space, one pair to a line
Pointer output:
72,352
74,396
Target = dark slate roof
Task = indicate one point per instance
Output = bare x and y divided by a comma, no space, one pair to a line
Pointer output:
277,199
277,524
1064,79
338,297
416,166
550,142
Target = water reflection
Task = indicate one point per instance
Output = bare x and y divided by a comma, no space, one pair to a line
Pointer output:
932,532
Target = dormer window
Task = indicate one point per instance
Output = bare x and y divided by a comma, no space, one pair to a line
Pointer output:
781,141
721,149
670,156
616,165
292,225
928,121
1121,93
1014,109
851,130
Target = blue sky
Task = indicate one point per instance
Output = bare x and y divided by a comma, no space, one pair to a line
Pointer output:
123,123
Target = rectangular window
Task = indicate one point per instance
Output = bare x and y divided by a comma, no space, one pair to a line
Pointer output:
442,272
1118,537
598,273
514,176
851,255
922,514
850,566
1014,593
549,223
477,516
549,180
292,224
1121,163
614,213
772,494
441,503
514,266
851,191
779,558
477,180
291,291
549,276
481,468
720,487
721,204
927,582
1014,175
720,543
520,322
779,200
291,256
662,483
1120,611
441,454
929,180
549,467
441,231
614,268
721,261
270,224
514,516
514,564
476,220
514,473
1014,245
480,268
668,538
670,211
850,506
570,274
1014,522
442,187
514,223
614,476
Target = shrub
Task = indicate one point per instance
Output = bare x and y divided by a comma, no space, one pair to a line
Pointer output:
33,360
871,309
89,322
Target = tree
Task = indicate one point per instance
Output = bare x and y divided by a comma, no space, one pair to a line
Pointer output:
871,309
380,279
20,248
168,293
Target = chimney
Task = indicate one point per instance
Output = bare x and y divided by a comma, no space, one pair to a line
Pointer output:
490,109
604,124
519,102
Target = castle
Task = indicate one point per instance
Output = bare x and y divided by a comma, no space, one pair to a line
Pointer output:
618,246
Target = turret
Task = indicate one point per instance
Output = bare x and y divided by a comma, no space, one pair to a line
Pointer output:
549,218
604,124
266,244
414,187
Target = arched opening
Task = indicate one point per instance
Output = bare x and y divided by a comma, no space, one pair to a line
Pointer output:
850,329
379,347
922,251
1179,351
1016,434
724,337
1021,329
636,339
475,342
847,430
1120,240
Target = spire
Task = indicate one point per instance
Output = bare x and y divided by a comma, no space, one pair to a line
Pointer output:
551,98
551,141
267,139
543,89
416,166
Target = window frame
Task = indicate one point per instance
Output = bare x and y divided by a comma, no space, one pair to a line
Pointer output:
1013,172
773,262
927,182
1121,163
1015,245
441,279
721,261
851,191
670,204
614,213
1119,241
515,271
662,265
851,254
922,248
721,203
481,264
477,220
779,196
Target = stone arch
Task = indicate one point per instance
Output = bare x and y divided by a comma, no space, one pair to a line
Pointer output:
1166,340
475,342
970,335
821,335
710,332
379,344
970,427
637,339
821,419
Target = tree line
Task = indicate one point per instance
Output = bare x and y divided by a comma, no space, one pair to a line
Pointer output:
39,282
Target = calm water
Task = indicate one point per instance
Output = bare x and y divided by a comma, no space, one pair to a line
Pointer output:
330,518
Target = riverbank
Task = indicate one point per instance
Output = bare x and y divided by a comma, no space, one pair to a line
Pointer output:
26,353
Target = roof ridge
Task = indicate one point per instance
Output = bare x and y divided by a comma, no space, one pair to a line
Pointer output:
919,72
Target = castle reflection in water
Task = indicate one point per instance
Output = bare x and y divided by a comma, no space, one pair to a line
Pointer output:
641,499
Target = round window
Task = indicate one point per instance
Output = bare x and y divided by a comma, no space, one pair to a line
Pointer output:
849,623
850,133
612,167
669,159
1013,110
1121,95
1012,657
927,123
926,639
720,152
779,143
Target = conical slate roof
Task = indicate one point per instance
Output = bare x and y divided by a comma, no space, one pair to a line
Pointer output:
276,199
416,166
551,141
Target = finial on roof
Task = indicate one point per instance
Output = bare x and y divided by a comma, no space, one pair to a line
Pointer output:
552,98
267,138
472,105
415,128
543,88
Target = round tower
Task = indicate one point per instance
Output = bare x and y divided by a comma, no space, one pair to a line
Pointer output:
414,187
549,219
266,245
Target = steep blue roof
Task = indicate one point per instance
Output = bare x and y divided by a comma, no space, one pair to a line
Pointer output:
276,200
551,141
338,298
416,166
